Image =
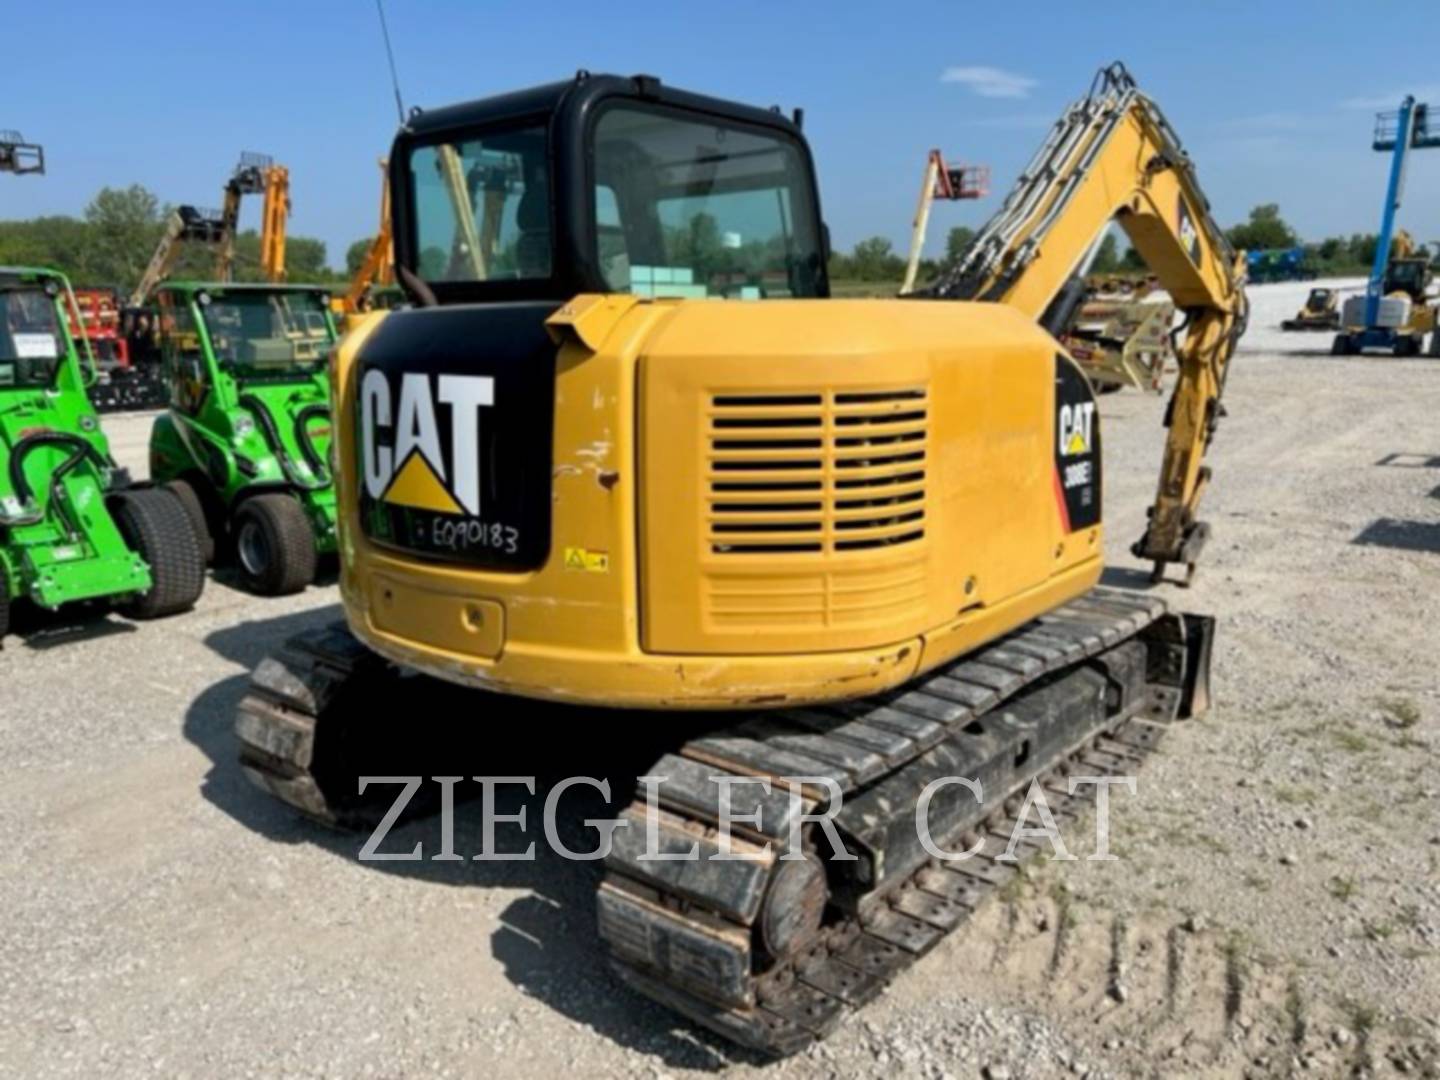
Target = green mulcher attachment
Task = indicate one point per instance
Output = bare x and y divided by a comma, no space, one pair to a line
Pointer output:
72,525
246,439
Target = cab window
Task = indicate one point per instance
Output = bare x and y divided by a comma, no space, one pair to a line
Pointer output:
482,207
180,352
694,208
32,341
257,334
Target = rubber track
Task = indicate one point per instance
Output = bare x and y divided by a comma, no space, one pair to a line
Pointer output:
650,924
641,917
276,721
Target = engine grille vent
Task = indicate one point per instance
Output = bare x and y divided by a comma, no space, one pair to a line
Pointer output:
820,472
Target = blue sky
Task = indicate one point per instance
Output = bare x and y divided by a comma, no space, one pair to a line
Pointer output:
1274,100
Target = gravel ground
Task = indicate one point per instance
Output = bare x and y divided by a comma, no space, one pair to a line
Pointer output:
1275,909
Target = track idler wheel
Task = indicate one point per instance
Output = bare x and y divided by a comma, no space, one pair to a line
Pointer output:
794,907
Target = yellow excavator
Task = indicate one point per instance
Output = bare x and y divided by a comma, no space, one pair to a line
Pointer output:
624,456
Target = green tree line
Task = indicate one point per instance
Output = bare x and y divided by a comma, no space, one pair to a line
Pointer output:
113,239
875,259
1266,230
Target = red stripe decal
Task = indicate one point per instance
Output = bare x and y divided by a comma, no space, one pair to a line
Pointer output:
1060,501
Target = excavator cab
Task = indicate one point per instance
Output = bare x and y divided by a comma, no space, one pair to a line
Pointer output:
607,185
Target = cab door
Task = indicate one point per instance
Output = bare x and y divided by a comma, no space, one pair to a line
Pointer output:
187,375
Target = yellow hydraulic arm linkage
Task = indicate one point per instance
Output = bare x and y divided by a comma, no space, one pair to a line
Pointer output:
275,216
189,225
1113,156
467,237
249,178
378,267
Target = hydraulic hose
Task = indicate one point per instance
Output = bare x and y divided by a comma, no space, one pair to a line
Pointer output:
257,408
80,450
306,441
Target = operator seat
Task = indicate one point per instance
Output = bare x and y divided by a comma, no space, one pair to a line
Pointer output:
532,248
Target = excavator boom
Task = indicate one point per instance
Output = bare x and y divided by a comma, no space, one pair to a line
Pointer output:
1113,156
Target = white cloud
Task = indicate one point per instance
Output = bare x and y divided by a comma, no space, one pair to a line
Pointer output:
990,82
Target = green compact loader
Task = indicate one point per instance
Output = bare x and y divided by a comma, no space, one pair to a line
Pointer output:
72,525
245,442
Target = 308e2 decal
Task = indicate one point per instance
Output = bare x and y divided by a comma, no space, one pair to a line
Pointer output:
1077,448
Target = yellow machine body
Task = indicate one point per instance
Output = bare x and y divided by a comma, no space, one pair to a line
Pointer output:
624,451
661,590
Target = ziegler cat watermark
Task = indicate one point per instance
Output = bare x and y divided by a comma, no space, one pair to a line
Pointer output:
796,798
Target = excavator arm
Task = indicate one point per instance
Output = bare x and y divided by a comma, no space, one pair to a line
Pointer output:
1114,156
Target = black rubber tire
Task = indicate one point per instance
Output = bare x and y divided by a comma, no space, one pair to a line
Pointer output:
195,511
155,524
274,545
4,606
1341,345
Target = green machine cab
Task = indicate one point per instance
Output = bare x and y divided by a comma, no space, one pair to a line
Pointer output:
245,442
72,525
